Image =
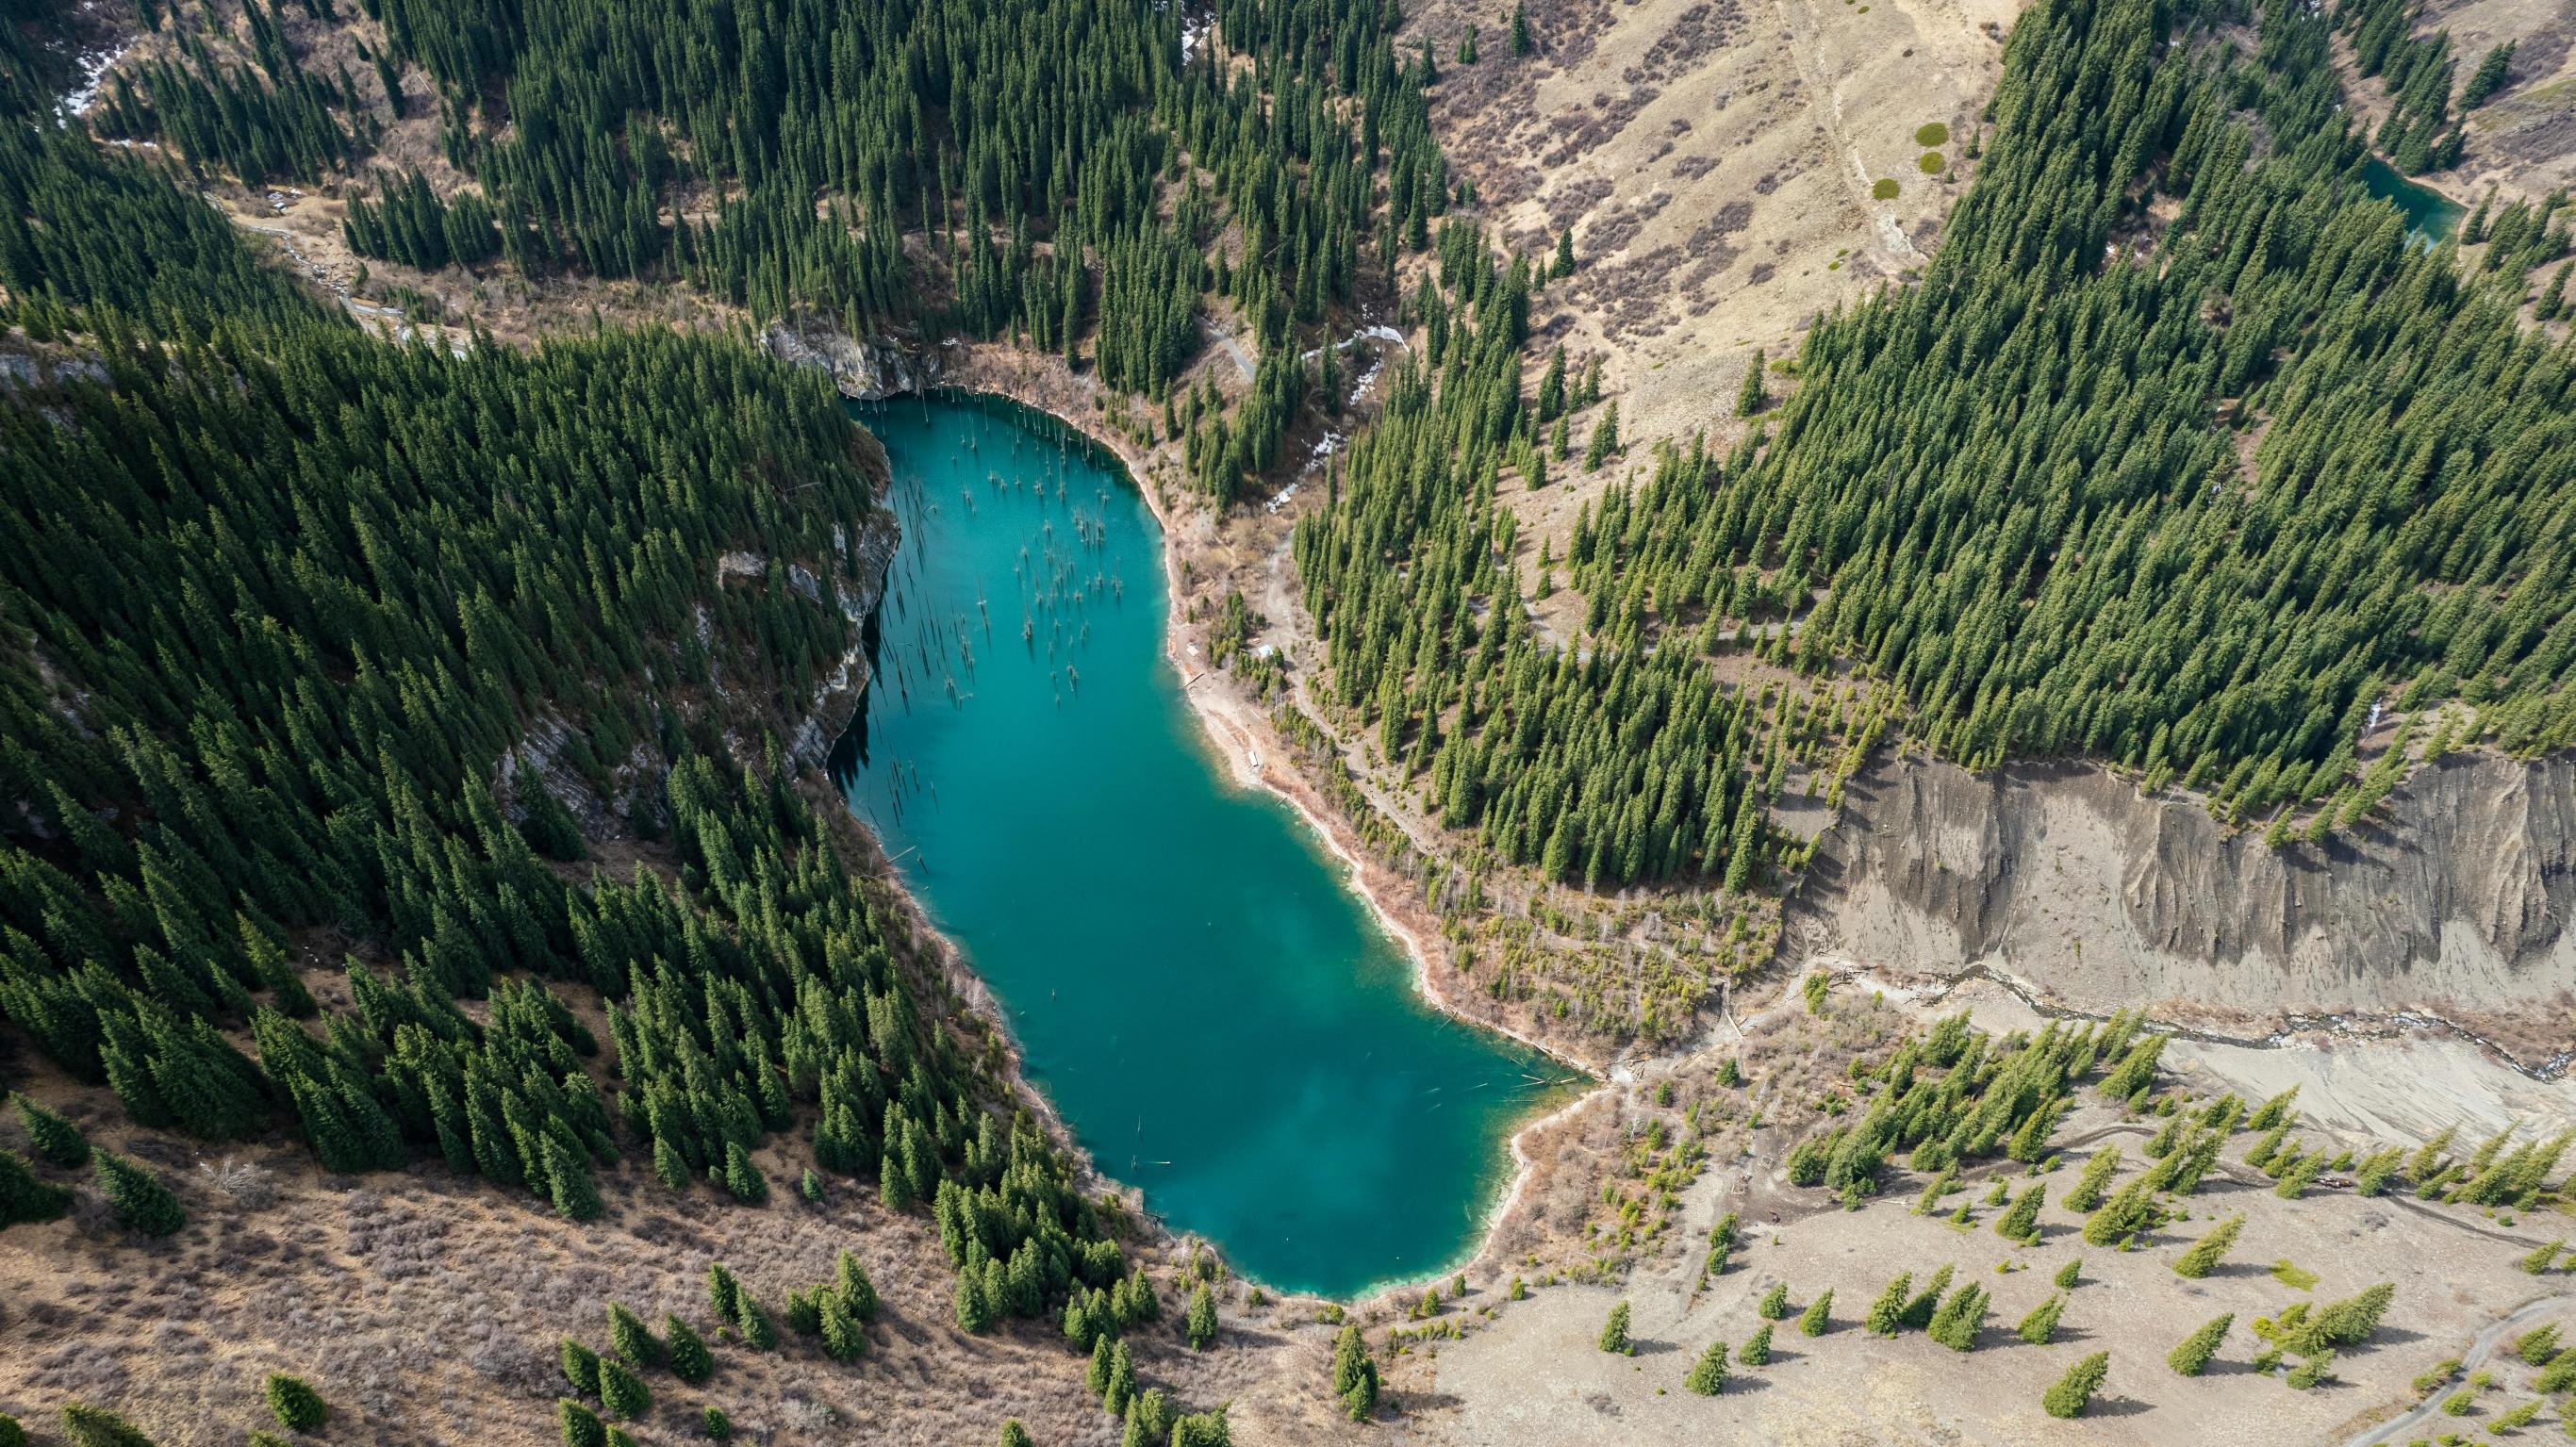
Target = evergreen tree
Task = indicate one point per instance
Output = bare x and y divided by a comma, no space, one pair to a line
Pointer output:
687,1352
621,1392
24,1197
1887,1313
629,1338
2021,1223
89,1426
580,1367
2191,1356
2069,1274
292,1400
142,1203
1708,1375
1202,1318
1757,1347
54,1138
1014,1434
581,1426
1817,1319
2096,1178
1749,398
2040,1327
2210,1249
1355,1379
2074,1391
1614,1332
1774,1305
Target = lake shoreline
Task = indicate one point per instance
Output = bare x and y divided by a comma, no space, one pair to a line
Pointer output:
1240,734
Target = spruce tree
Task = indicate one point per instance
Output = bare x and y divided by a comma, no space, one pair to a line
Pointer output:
292,1400
1614,1332
724,1292
858,1293
1014,1434
621,1391
2087,1193
1818,1318
2210,1249
2069,1274
1749,397
628,1337
715,1424
2040,1327
2191,1356
2021,1223
580,1366
1708,1375
1919,1308
1757,1347
23,1196
843,1341
581,1426
2074,1391
12,1432
751,1320
690,1360
742,1177
1774,1305
1887,1313
2538,1259
142,1203
1355,1379
1202,1318
54,1138
89,1426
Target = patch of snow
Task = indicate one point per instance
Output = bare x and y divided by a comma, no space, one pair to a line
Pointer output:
93,72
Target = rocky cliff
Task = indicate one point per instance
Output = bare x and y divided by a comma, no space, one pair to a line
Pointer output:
2457,897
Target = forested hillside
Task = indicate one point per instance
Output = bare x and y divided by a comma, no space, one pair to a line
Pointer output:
279,597
2179,455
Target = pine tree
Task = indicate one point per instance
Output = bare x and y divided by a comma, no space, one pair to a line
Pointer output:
2122,1216
89,1426
580,1366
724,1292
2210,1249
2040,1327
690,1360
1749,398
292,1400
2348,1322
715,1424
2021,1223
2087,1194
1774,1305
628,1337
1614,1332
2312,1371
742,1177
54,1138
12,1433
581,1426
1818,1318
1757,1347
1887,1313
2191,1356
1919,1308
2540,1257
2274,1112
2074,1391
142,1203
1708,1375
23,1196
2069,1274
751,1320
1014,1434
1956,1324
1202,1318
1522,43
621,1391
843,1341
1355,1379
858,1293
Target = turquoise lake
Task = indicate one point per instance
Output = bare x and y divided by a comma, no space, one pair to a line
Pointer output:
2431,217
1219,1018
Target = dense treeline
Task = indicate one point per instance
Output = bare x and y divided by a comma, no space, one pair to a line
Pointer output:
2419,134
2193,497
410,224
282,599
267,121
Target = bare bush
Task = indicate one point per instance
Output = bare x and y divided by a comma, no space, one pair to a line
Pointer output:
249,1185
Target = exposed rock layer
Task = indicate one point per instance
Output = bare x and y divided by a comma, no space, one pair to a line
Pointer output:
2457,896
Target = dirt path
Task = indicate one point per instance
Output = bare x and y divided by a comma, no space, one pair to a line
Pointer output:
2480,1348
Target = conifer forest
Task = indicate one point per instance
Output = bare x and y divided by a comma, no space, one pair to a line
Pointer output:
450,571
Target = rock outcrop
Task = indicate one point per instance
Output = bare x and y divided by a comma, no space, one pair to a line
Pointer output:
865,371
2457,896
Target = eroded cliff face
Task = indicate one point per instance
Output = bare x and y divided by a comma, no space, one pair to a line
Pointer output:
2457,899
869,370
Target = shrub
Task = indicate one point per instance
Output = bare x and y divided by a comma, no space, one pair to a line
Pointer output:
296,1405
1757,1348
2040,1327
1774,1305
1883,189
1931,163
2069,1274
715,1424
1015,1435
1934,134
11,1433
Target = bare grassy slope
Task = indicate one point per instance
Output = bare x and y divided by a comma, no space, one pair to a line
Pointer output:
1715,159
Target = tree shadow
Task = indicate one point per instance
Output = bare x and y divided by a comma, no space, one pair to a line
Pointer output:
2116,1407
